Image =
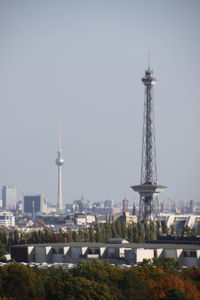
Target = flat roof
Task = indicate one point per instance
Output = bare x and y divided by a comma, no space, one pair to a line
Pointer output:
110,245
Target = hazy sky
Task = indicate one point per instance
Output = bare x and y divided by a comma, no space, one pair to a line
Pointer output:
81,62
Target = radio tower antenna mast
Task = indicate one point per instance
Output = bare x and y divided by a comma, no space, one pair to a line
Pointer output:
148,188
60,163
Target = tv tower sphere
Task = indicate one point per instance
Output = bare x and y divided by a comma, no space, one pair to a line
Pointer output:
59,160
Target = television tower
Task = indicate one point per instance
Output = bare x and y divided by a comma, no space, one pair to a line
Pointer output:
60,163
148,188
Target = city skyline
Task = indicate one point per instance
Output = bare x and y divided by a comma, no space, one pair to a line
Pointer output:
81,64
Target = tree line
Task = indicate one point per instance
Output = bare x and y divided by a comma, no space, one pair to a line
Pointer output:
97,233
158,280
135,233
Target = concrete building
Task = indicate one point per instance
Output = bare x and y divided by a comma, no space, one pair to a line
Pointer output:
7,219
80,220
181,221
127,253
90,219
101,219
84,219
9,197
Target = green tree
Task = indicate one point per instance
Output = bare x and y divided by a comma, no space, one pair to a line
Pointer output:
130,235
172,230
133,286
108,231
2,251
175,294
69,235
98,233
74,236
141,232
21,282
114,230
158,228
91,235
167,264
164,228
146,230
152,228
118,226
84,289
101,272
124,230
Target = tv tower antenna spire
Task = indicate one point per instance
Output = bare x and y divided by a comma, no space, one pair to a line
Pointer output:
148,188
60,163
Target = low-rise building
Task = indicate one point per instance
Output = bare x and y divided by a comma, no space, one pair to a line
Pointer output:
80,220
7,219
127,218
128,253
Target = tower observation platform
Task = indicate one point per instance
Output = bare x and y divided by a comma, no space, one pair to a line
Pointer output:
148,188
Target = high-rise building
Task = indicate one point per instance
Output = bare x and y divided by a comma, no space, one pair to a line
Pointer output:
19,207
108,203
34,205
148,188
125,205
9,197
60,163
192,206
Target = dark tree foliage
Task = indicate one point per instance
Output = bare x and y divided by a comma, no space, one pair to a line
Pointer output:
96,280
133,287
20,282
175,294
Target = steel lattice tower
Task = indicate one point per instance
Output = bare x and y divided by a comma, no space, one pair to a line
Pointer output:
148,188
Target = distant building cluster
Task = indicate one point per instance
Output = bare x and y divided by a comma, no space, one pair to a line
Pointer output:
81,213
180,207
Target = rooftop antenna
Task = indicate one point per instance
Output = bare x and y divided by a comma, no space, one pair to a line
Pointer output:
60,137
149,59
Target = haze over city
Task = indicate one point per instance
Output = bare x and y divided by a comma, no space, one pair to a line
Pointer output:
81,63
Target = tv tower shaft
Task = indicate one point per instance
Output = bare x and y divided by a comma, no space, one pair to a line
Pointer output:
60,163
